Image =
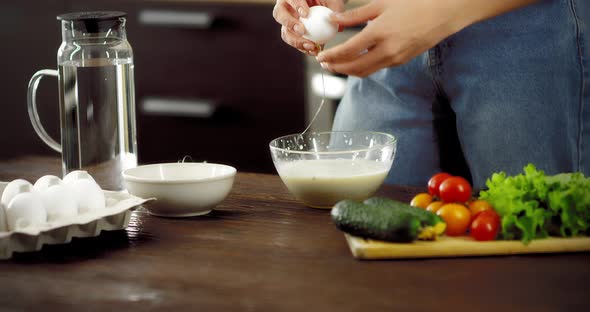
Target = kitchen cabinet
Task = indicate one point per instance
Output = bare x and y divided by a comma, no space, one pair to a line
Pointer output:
29,39
213,80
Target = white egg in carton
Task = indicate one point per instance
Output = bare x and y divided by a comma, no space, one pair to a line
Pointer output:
52,211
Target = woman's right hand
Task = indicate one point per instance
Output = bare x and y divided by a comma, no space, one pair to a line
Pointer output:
287,13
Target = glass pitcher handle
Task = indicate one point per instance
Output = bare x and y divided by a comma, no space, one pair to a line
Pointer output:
32,107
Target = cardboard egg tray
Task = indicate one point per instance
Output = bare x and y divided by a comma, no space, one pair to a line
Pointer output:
115,216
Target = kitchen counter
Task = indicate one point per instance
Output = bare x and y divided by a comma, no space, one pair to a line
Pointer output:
261,250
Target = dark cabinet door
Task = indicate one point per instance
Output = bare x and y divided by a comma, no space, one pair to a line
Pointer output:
213,81
29,39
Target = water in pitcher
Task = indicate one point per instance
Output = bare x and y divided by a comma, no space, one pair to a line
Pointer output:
97,119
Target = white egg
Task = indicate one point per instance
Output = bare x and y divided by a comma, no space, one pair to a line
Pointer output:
46,181
318,27
14,188
59,202
76,175
3,225
88,195
24,210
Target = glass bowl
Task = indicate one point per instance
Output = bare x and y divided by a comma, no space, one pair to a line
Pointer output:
320,169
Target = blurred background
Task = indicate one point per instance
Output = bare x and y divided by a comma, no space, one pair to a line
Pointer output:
213,79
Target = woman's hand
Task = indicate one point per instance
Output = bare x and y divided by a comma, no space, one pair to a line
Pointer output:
287,13
399,30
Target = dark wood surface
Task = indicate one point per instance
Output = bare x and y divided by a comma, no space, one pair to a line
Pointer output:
262,251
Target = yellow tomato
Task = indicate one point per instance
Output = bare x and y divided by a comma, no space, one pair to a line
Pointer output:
421,200
457,217
434,206
479,206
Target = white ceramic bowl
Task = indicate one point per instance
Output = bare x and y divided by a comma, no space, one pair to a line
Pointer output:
181,189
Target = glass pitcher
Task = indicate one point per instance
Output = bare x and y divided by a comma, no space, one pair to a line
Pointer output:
96,97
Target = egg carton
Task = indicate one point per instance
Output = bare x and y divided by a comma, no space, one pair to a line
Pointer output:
115,216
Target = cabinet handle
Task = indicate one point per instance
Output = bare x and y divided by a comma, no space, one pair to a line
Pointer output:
178,107
195,20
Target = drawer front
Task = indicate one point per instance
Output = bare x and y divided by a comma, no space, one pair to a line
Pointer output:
237,58
213,81
242,143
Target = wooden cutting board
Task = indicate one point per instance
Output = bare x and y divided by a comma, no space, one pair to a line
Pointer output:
463,246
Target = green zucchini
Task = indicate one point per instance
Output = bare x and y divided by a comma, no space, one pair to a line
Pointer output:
387,220
426,217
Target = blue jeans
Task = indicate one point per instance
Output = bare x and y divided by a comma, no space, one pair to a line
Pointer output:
499,94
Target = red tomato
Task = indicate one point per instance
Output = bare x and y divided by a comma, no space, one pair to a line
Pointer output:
455,189
485,226
435,181
478,206
488,214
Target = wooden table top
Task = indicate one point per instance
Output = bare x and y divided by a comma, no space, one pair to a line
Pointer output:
262,251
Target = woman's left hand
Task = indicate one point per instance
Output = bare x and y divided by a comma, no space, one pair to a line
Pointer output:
397,31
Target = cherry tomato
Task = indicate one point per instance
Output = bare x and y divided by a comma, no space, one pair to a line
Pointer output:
457,217
485,226
488,213
435,181
455,189
479,205
421,200
434,206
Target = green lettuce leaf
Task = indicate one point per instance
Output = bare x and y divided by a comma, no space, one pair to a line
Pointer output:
533,205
